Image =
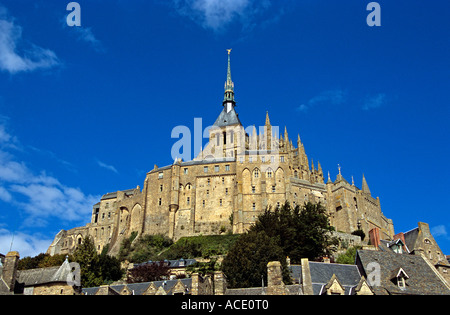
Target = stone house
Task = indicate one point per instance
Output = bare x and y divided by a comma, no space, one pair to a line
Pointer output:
391,273
42,281
418,241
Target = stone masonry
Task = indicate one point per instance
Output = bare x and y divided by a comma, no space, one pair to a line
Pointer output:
238,174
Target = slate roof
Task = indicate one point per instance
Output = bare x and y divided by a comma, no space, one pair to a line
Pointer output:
321,273
179,263
422,280
140,288
293,289
34,277
227,119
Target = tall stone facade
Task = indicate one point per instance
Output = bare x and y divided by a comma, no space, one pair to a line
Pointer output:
237,175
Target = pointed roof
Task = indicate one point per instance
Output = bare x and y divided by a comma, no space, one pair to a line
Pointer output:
267,119
229,85
365,187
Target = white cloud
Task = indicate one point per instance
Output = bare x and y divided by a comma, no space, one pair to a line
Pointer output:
85,34
25,244
439,231
375,101
217,14
108,167
13,59
329,97
39,196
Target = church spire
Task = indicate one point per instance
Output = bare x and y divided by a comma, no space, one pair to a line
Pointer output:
228,99
365,187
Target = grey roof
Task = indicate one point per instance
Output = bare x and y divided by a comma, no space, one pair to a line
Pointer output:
179,263
411,237
140,288
114,194
321,273
227,119
197,162
293,289
422,280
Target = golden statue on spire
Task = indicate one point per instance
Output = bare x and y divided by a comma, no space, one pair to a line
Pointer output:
229,51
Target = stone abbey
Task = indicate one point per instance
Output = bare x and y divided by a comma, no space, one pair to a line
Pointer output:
236,176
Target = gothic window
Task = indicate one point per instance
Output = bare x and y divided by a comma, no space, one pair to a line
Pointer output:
160,188
231,136
274,189
220,202
223,180
218,139
159,201
253,189
224,138
188,200
295,174
269,173
254,206
256,173
203,203
226,191
282,159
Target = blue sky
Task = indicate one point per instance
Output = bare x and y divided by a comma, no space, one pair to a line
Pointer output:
89,110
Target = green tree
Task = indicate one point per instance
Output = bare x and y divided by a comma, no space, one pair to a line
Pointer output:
300,232
246,262
349,257
87,257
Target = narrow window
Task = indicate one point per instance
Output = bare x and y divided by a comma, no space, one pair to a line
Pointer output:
227,168
205,169
217,168
253,189
254,206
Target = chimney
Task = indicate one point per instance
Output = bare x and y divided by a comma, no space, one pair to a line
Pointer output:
275,284
374,235
10,269
220,284
306,278
400,236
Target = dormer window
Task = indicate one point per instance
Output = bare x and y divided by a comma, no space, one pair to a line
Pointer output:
427,241
399,277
